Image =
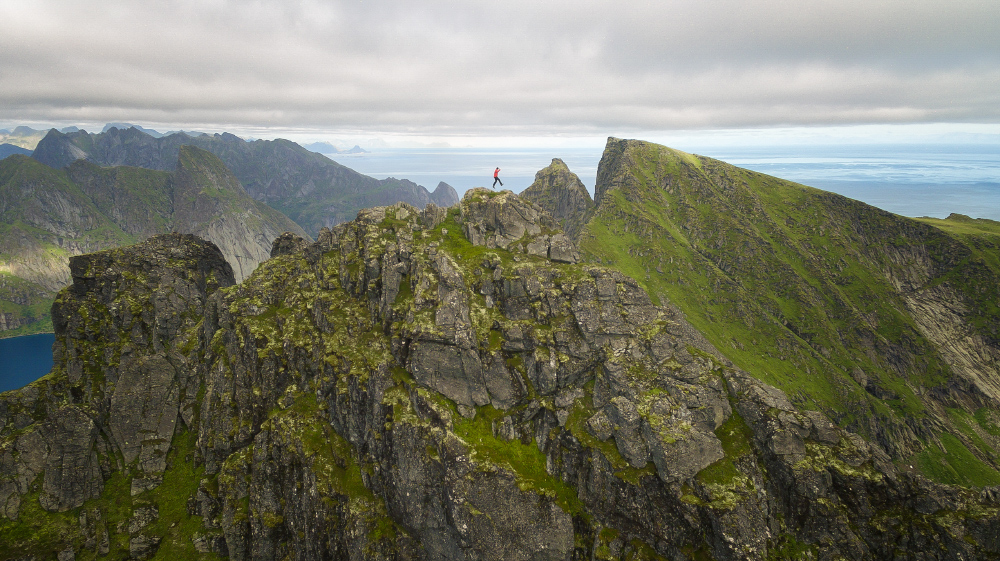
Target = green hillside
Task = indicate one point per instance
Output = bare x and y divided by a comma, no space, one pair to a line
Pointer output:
49,215
885,323
44,218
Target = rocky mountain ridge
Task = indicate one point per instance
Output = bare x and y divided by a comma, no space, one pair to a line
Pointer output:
886,324
308,187
430,384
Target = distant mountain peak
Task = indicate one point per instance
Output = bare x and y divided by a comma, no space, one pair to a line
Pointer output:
444,195
7,149
126,126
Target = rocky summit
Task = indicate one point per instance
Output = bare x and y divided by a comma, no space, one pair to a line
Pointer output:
437,384
561,193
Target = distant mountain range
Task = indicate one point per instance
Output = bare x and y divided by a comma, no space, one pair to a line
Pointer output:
309,188
7,149
25,137
327,148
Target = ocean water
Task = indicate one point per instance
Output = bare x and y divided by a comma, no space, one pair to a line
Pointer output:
908,179
24,359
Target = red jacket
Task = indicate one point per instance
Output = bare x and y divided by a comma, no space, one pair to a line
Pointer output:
496,173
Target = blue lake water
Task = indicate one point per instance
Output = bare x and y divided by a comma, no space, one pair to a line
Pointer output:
909,179
24,359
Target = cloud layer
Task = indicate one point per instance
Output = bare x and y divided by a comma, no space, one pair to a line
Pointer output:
512,67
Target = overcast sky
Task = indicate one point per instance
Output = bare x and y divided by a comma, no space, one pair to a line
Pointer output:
506,68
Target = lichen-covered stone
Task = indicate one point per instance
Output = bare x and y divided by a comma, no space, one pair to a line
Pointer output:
396,391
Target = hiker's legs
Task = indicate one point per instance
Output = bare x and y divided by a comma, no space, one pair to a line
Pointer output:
495,181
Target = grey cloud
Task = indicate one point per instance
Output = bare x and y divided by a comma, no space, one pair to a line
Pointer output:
481,66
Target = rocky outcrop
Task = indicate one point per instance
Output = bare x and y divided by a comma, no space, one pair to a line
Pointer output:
56,458
121,391
561,193
444,195
504,220
396,390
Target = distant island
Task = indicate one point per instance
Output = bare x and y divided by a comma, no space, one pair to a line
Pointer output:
327,148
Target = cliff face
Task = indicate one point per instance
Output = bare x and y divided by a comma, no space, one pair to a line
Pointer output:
885,323
429,385
49,216
561,193
96,431
311,189
44,218
444,195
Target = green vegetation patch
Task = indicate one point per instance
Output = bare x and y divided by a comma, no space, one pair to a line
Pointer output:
525,461
40,533
788,548
736,439
955,465
180,482
37,531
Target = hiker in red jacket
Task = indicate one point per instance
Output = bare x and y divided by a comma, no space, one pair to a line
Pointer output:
496,178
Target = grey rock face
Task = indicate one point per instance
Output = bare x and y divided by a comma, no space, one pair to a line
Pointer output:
143,547
132,304
560,192
504,220
144,410
627,425
392,391
63,450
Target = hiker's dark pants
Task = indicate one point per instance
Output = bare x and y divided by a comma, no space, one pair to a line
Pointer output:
497,180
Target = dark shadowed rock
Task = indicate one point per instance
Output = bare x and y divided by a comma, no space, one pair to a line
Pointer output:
287,243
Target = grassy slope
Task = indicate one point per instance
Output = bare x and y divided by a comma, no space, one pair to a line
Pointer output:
790,282
141,197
